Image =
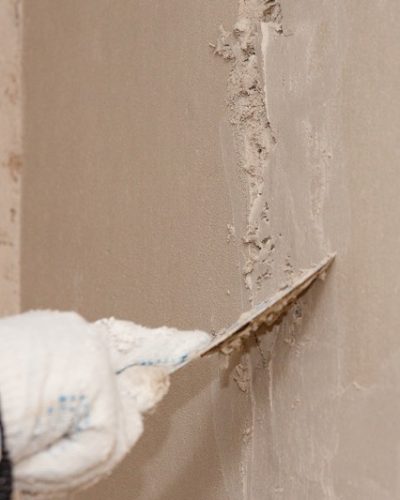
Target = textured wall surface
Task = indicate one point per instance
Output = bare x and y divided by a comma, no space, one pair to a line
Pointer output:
10,153
172,181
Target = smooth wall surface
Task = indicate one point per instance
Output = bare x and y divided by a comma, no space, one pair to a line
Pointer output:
127,201
172,182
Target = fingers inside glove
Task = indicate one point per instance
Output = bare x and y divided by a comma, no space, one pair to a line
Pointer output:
76,461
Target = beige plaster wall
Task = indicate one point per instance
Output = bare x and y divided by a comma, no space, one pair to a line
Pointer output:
10,153
127,199
168,184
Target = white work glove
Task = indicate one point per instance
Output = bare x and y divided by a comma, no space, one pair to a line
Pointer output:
72,393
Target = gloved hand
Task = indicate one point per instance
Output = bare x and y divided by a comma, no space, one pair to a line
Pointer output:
72,393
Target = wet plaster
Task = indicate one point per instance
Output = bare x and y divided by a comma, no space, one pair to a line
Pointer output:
10,154
325,391
318,163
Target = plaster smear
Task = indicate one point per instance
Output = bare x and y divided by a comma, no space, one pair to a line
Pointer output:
285,232
10,153
324,408
254,136
255,142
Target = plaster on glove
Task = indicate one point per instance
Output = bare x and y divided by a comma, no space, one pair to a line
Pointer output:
73,392
134,345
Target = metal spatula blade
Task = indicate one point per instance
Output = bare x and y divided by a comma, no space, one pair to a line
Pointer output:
266,313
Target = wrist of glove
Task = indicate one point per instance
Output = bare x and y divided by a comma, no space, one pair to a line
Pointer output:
73,393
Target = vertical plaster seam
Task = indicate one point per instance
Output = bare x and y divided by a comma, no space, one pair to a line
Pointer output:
254,141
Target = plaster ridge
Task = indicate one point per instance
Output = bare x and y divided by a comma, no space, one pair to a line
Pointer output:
254,141
254,137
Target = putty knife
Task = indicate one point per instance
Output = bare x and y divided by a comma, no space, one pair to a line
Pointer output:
265,313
